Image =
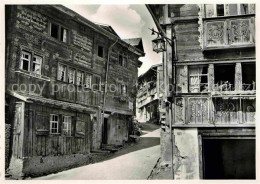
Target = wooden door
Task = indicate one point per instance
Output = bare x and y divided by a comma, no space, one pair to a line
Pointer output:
17,150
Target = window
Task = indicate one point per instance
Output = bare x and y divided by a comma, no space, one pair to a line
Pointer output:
88,80
80,77
62,72
54,123
67,125
244,9
54,30
96,82
28,58
100,51
224,77
220,9
58,32
25,61
124,89
198,79
37,63
120,60
71,76
248,76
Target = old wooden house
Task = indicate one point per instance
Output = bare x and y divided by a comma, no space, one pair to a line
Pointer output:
208,118
59,71
150,88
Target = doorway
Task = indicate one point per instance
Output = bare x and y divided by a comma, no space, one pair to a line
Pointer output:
104,137
228,158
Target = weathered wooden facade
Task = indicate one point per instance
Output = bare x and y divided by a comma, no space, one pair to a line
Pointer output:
212,68
150,87
56,73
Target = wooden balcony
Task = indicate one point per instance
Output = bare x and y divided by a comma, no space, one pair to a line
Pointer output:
229,32
218,111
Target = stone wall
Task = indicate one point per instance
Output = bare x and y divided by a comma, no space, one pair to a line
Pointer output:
39,166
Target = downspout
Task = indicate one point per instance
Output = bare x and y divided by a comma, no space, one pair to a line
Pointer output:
106,78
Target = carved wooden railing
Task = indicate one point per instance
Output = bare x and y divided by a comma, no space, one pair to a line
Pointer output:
229,32
214,111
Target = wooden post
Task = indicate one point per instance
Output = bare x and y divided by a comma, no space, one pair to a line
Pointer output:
211,77
238,77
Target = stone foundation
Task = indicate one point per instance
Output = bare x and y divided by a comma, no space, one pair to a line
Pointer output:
39,166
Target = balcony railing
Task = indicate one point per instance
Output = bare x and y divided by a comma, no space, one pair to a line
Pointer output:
214,111
229,32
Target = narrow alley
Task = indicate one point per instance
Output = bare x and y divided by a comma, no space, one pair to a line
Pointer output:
131,163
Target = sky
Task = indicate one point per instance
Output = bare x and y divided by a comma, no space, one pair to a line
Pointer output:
129,21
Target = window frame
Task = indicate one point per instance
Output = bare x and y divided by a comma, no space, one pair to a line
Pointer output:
59,34
31,61
22,60
37,63
68,75
82,76
56,122
198,76
66,71
93,85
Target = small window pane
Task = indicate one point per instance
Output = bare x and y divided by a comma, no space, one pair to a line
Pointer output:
100,51
71,76
37,62
120,60
62,73
63,36
244,9
25,65
220,9
209,10
25,61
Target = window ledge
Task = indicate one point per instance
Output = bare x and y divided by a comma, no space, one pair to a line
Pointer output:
33,75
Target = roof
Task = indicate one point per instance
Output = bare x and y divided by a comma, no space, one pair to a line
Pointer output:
64,105
136,42
105,30
108,28
151,68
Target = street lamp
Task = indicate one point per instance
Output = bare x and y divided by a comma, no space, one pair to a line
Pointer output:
158,45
